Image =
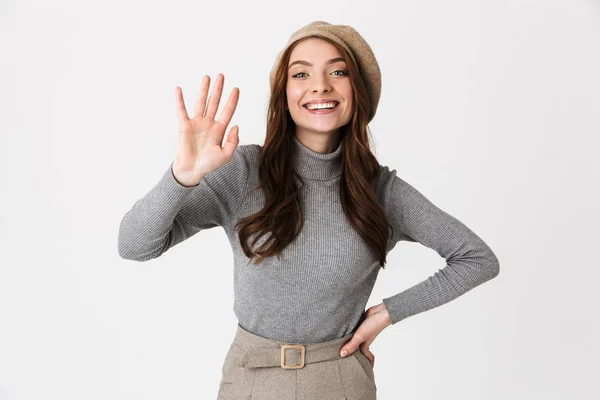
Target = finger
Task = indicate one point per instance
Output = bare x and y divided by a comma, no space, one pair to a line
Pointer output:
369,355
201,102
371,358
215,97
232,141
229,109
180,106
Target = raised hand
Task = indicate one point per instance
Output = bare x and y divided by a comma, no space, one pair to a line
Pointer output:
199,148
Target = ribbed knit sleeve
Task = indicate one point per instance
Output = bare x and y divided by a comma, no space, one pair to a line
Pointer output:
469,260
171,213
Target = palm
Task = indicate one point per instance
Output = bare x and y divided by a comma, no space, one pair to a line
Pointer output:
207,143
199,150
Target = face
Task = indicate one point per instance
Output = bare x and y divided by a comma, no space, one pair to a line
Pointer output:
318,73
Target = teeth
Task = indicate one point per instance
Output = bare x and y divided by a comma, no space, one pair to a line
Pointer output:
321,106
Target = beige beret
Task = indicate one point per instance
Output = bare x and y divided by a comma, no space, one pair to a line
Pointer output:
353,43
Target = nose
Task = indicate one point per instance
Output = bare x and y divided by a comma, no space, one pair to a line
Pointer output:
321,84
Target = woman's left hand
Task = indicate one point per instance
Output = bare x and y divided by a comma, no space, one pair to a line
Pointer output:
376,320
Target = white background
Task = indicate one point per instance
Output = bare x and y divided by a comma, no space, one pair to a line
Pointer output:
490,108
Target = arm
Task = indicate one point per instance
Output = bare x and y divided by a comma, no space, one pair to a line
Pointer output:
469,260
171,212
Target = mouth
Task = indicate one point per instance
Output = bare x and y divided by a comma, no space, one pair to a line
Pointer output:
322,110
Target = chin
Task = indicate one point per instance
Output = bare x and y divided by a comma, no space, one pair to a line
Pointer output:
321,130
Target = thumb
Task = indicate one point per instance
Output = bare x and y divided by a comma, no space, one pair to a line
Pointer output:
350,347
232,141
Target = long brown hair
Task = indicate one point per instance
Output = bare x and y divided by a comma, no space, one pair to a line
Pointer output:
282,215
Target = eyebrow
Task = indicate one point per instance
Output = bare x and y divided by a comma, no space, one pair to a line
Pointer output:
333,60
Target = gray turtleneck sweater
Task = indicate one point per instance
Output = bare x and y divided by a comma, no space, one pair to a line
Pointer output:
318,289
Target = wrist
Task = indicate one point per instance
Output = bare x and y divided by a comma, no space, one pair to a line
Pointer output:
385,315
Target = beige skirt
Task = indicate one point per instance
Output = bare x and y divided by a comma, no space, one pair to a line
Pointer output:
258,368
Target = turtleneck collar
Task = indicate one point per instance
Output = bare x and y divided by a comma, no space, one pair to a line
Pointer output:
317,166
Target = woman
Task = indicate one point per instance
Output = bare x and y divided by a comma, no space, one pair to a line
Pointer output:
310,216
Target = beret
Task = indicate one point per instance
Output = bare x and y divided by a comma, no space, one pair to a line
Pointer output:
349,39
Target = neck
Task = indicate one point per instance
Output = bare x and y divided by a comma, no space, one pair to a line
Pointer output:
313,165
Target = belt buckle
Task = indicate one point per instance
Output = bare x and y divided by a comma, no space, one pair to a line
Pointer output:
292,346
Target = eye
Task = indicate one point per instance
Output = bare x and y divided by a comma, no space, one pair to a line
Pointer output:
342,71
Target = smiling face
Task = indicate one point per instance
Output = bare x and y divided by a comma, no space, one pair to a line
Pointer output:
318,73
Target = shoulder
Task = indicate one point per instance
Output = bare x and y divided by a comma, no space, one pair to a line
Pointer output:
250,151
387,177
246,157
392,188
238,169
242,165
